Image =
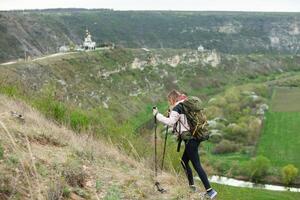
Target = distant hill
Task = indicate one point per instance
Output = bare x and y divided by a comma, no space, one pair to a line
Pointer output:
43,31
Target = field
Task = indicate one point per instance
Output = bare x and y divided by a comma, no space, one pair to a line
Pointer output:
236,193
286,99
280,138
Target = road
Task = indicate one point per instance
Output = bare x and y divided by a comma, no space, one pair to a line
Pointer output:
40,58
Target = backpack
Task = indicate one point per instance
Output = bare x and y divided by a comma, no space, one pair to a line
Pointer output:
196,118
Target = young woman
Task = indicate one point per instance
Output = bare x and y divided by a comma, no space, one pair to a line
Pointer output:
178,121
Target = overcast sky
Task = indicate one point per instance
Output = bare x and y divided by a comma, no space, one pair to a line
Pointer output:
226,5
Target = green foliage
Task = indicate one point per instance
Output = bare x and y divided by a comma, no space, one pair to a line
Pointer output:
286,99
173,30
236,132
113,193
66,192
1,151
10,91
58,110
79,120
51,107
99,185
289,173
258,167
12,160
279,140
225,146
237,193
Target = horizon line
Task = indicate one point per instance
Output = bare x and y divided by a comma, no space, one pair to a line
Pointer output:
161,10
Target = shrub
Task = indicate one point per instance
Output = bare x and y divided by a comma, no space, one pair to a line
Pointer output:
58,111
213,112
258,167
236,132
254,129
289,173
215,137
219,102
78,121
232,95
225,146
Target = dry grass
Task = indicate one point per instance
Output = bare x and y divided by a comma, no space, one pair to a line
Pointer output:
38,152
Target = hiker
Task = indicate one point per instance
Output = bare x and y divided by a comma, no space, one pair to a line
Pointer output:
178,120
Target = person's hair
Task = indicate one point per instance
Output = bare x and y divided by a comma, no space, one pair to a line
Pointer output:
173,95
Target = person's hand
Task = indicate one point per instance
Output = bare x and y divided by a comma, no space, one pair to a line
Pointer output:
154,111
168,112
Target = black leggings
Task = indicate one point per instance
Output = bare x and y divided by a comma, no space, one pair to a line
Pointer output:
191,154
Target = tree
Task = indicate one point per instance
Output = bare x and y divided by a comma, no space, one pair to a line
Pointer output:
258,167
289,173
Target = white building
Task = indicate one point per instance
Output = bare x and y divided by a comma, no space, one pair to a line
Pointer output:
201,48
64,49
88,44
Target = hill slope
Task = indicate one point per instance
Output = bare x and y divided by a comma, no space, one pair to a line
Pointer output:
40,32
40,160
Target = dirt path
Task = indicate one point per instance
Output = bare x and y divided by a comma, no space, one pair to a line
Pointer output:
40,58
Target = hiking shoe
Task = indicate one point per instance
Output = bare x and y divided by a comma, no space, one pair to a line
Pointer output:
193,188
211,194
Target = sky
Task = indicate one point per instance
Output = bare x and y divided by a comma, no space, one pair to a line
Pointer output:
201,5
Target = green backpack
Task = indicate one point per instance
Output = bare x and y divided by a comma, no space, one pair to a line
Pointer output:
196,118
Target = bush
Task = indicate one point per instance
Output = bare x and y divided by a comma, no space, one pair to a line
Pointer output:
213,112
258,167
219,102
225,146
215,137
58,111
289,173
236,132
79,121
52,108
254,129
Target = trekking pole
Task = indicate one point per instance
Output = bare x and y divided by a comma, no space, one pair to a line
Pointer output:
157,184
155,145
165,146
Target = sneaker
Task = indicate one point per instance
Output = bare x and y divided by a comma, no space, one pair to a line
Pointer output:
193,188
211,194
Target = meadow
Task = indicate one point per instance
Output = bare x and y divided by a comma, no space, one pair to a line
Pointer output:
280,138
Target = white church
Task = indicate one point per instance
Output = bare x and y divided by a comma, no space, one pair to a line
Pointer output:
88,44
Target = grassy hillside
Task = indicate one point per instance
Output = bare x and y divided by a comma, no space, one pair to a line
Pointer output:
109,94
40,160
40,32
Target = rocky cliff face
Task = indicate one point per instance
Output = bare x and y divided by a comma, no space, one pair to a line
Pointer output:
42,32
